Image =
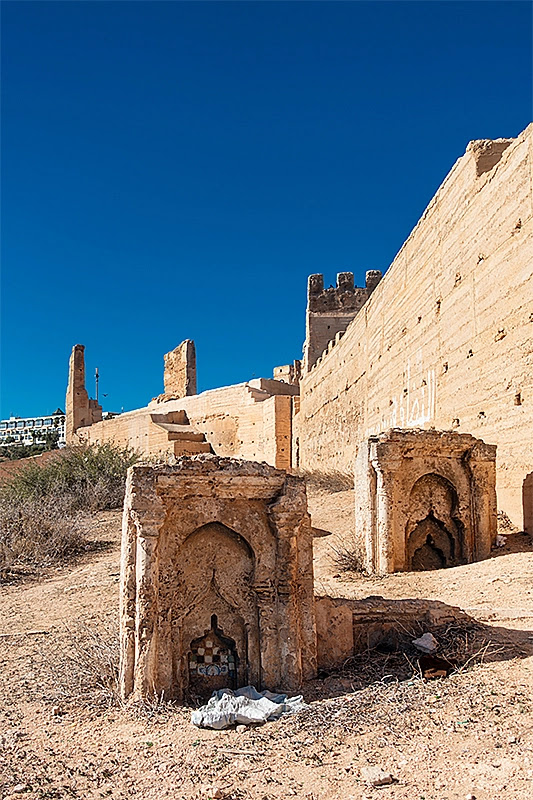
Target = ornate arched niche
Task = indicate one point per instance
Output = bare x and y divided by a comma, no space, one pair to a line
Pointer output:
216,569
424,499
434,531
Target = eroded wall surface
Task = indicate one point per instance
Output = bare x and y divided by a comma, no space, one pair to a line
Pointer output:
446,338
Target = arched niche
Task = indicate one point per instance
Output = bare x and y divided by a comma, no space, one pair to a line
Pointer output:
434,532
216,586
215,549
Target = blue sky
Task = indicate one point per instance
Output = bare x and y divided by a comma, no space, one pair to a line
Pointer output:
176,170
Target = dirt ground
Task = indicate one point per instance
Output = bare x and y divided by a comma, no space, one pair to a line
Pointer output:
63,735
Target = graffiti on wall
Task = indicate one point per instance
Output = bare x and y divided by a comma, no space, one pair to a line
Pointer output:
414,406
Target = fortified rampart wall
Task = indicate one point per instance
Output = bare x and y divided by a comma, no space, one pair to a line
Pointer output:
446,338
248,420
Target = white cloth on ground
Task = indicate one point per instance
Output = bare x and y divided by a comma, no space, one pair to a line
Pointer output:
243,707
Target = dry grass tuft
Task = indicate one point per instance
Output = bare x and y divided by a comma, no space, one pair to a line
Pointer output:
86,664
346,555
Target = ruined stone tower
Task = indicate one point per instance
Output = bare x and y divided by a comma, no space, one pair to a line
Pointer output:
80,409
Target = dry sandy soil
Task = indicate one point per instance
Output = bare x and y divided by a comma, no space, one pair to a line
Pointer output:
62,735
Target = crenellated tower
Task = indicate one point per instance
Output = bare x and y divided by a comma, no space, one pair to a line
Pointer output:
330,311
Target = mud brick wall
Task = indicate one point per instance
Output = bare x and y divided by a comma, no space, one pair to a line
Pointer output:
446,338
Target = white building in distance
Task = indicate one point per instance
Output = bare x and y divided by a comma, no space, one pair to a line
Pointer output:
32,430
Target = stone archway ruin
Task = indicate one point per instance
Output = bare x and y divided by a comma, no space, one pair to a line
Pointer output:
425,499
216,579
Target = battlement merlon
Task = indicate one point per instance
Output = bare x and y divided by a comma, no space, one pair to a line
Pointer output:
343,297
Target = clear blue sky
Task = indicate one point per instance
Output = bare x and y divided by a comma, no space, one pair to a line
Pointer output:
176,170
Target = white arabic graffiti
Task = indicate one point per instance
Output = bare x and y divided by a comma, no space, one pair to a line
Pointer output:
413,408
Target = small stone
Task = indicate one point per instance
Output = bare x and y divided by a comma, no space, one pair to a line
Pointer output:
212,792
376,776
470,797
20,788
426,643
57,711
512,740
241,728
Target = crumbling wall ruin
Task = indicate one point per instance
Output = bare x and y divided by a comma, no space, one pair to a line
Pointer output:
180,371
248,420
347,628
216,579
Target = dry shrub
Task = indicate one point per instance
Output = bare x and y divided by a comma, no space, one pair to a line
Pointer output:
38,532
41,504
346,555
86,477
86,664
329,482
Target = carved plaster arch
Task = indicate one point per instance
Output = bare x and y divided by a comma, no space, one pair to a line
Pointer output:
434,532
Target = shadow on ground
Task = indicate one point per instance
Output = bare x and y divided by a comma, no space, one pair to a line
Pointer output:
384,631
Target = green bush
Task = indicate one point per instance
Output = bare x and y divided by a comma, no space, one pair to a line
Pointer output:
88,478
